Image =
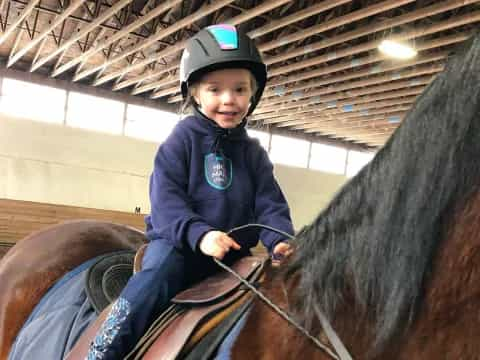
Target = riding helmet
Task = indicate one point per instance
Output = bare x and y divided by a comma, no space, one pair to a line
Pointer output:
220,47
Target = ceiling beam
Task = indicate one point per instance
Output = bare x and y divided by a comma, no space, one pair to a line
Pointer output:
204,11
280,92
365,109
373,124
271,26
308,128
393,85
273,116
151,74
335,131
165,6
371,29
411,78
384,67
416,71
74,5
248,15
18,38
258,10
316,29
472,17
296,17
351,63
378,137
372,45
26,12
87,29
355,118
334,23
40,48
79,19
355,134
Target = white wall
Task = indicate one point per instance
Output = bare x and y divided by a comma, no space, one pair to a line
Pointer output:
61,165
307,191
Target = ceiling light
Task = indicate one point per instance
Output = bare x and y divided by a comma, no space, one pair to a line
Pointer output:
397,50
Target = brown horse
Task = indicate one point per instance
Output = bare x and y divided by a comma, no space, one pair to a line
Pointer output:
33,265
394,261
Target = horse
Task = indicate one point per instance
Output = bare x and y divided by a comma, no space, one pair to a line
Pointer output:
34,264
393,262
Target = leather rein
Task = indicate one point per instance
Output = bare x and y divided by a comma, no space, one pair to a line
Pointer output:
340,349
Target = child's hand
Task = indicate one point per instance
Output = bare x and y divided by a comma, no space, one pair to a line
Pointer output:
217,244
280,252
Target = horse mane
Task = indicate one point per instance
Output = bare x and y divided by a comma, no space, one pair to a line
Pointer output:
376,241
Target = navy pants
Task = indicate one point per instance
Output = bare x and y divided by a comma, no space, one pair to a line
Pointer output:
165,272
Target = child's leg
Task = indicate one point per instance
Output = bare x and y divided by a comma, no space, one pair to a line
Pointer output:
146,294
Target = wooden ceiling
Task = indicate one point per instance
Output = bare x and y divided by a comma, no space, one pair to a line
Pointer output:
326,77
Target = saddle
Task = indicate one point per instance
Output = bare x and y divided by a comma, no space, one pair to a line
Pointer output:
192,314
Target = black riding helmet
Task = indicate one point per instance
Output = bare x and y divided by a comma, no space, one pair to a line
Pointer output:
220,47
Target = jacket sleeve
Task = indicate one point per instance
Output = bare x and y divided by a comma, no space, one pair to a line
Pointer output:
271,207
171,216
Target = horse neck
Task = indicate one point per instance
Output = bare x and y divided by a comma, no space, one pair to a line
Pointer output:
450,299
455,277
452,286
451,296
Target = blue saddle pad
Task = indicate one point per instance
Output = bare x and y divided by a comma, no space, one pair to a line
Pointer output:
57,321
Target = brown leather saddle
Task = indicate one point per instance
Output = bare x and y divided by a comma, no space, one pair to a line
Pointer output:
192,314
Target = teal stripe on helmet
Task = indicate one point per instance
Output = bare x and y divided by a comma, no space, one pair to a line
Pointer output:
225,35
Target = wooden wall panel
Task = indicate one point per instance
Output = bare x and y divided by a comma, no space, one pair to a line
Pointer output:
20,218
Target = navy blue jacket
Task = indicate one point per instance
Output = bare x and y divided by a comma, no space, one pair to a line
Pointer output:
208,178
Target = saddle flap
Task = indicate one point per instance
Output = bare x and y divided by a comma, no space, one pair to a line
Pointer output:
189,328
219,285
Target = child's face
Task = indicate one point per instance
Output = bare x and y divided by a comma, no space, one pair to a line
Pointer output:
224,96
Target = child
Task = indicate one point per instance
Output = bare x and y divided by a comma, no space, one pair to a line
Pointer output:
208,177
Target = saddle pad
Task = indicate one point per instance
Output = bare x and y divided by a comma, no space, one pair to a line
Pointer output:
219,285
57,321
80,350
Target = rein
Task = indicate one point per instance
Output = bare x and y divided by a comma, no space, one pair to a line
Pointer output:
342,352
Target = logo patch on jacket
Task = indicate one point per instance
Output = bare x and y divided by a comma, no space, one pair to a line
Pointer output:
218,171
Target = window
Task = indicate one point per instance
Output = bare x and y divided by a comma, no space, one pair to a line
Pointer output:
262,136
289,151
357,160
149,124
95,113
32,101
328,158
